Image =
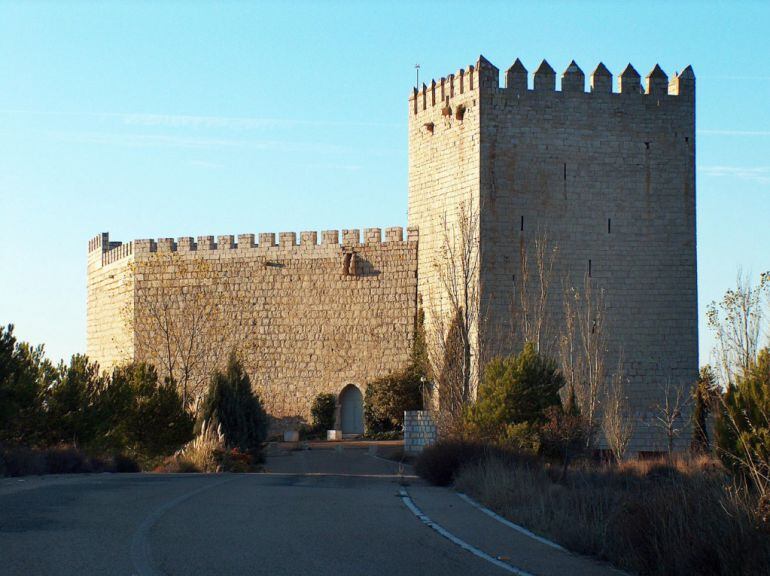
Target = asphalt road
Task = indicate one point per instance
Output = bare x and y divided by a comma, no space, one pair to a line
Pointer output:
314,512
345,518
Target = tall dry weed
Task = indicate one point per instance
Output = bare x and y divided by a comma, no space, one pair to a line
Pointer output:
671,518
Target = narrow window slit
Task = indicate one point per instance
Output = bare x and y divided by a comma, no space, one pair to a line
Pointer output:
609,225
522,223
589,268
565,171
647,145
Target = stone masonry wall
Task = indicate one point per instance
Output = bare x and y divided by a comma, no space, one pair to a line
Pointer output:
444,171
609,178
305,317
110,302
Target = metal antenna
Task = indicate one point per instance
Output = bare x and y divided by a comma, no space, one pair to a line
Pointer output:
417,67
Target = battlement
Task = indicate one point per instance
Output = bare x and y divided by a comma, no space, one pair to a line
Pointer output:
114,251
485,76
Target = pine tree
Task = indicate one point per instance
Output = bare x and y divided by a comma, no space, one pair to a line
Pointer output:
232,403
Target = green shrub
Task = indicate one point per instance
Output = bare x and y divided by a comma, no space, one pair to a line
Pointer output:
156,422
387,398
323,411
515,390
74,412
23,374
233,405
743,425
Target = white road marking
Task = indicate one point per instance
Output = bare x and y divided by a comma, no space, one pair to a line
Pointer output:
141,555
510,524
409,503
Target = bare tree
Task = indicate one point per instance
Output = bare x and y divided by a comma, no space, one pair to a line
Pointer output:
617,419
454,312
531,305
583,350
737,321
178,322
668,413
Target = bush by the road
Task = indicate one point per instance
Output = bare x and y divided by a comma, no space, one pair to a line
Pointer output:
439,463
232,405
23,461
44,407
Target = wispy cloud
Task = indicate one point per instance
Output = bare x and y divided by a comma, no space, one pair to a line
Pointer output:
754,173
201,122
142,140
185,121
734,132
139,140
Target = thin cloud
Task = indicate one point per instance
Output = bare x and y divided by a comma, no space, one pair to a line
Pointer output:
201,122
182,121
142,140
753,173
194,142
734,132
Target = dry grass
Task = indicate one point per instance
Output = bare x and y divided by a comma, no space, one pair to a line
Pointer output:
653,517
208,452
200,453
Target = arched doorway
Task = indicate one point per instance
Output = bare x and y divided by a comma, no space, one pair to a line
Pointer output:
351,410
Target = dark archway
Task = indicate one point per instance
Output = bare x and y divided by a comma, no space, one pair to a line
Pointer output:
351,410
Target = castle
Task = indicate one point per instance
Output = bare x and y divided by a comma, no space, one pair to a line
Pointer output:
606,178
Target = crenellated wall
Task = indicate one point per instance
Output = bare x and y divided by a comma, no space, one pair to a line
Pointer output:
608,176
109,338
305,317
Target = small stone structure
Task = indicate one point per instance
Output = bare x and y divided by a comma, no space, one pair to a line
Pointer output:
419,430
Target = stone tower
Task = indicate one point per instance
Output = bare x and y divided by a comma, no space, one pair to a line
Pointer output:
608,178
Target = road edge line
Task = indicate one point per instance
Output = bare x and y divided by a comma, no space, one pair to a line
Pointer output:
510,524
141,556
414,509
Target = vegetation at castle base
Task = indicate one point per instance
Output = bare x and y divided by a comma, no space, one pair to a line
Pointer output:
513,398
232,407
743,427
672,517
323,412
388,397
72,417
527,445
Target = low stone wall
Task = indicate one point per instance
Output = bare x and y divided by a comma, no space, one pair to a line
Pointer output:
419,430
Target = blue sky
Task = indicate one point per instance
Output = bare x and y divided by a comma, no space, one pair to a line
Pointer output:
191,118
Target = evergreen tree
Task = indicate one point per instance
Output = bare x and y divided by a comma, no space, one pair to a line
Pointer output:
232,403
743,424
514,394
23,373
